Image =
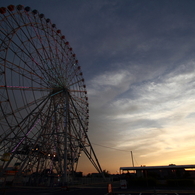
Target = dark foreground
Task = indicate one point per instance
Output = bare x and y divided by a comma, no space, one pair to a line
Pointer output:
73,191
93,190
96,189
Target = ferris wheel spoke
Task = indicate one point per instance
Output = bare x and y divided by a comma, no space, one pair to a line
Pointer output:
25,136
29,55
78,91
76,82
23,107
25,88
80,103
80,111
80,138
59,55
82,116
80,99
23,76
14,67
74,74
45,54
20,127
18,69
41,35
35,136
76,111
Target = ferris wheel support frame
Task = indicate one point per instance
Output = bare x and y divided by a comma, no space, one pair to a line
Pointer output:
91,153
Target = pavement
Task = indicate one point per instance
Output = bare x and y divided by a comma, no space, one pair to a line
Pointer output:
95,189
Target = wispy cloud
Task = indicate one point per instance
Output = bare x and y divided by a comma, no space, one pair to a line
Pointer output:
150,117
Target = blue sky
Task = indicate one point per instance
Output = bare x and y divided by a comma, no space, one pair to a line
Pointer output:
138,62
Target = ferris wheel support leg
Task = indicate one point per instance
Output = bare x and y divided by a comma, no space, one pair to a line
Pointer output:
65,178
90,154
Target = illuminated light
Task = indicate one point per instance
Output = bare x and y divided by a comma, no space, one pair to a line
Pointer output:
54,155
48,154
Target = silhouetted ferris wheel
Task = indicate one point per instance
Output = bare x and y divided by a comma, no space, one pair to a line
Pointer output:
43,98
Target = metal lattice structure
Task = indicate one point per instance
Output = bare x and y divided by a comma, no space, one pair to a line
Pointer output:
43,99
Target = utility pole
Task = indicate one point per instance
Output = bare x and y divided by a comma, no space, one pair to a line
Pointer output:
132,158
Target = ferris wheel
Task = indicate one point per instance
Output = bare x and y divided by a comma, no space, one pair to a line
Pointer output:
43,98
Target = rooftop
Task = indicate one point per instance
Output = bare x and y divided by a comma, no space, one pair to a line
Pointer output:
172,166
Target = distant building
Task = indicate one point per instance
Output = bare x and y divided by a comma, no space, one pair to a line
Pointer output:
96,175
78,174
160,172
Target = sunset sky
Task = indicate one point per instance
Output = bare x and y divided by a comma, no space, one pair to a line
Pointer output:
138,62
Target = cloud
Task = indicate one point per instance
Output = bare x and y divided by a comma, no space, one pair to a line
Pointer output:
149,117
110,79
